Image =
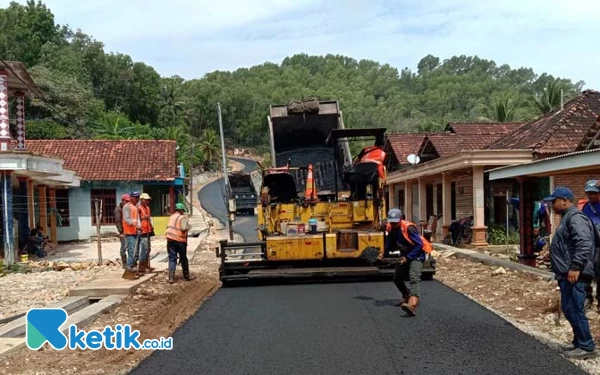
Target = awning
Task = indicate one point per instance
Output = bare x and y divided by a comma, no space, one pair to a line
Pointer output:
574,162
461,160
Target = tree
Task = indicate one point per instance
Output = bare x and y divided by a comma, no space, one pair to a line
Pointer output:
209,146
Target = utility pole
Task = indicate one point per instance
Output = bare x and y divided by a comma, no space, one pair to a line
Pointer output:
225,177
192,179
98,206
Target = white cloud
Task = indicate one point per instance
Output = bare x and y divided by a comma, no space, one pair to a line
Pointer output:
191,38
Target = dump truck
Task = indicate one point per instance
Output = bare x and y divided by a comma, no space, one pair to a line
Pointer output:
319,214
243,192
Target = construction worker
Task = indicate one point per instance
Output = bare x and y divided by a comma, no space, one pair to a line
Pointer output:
404,235
374,154
177,232
147,228
591,208
119,224
132,227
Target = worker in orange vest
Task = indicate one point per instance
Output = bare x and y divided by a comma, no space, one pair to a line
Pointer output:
147,229
374,154
404,236
177,232
132,227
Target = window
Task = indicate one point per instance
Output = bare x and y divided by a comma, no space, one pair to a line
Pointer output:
62,207
108,198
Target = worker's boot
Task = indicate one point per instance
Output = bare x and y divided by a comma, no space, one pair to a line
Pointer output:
130,275
186,275
411,306
403,300
171,276
148,268
124,262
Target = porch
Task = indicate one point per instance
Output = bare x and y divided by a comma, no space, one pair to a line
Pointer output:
454,187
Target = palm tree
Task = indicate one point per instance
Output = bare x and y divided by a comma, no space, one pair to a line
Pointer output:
109,129
549,98
209,146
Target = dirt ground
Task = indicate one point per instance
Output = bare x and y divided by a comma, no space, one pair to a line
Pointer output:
528,302
156,309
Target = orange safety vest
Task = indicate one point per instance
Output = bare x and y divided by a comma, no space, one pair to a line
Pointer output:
146,226
376,155
427,246
174,231
581,203
127,228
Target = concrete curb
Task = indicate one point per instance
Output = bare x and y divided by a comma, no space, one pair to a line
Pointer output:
79,319
16,328
493,261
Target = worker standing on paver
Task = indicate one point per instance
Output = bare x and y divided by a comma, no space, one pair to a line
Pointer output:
132,228
572,259
374,154
147,228
405,236
119,224
177,233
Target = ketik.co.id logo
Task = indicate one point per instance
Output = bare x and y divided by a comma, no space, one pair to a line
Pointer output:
43,326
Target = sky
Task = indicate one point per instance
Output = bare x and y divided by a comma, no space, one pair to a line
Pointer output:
191,38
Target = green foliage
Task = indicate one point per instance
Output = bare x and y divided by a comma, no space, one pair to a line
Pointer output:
497,236
89,93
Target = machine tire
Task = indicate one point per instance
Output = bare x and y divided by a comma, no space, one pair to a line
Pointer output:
427,276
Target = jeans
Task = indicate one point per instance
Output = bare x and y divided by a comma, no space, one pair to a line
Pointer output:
572,298
143,253
123,250
131,250
412,269
174,249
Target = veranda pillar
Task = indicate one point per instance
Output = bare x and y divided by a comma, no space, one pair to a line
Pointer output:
479,228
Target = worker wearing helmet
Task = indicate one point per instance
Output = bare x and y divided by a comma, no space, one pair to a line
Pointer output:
404,235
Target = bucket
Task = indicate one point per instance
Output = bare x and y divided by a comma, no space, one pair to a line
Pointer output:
313,224
24,258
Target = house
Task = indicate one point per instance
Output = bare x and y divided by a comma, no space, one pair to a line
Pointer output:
453,179
22,172
449,180
108,169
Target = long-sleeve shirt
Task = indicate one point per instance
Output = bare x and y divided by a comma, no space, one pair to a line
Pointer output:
396,240
119,218
593,212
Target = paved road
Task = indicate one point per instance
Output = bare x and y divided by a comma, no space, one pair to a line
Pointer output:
213,202
349,328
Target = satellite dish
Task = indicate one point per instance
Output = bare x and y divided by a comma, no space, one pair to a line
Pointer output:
413,159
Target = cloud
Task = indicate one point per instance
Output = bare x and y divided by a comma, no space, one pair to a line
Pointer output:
191,38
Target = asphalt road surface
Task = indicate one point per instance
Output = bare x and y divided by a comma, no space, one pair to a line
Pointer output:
213,202
349,328
345,328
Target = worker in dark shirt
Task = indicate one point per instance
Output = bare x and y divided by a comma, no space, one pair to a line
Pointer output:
404,236
591,208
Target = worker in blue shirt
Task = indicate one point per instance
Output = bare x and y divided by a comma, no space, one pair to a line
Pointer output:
591,209
404,236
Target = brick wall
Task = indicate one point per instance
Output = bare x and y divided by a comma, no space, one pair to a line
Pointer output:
576,184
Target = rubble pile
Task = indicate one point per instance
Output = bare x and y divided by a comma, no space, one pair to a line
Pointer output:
44,265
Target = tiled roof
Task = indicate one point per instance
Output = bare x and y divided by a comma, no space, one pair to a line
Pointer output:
447,144
113,160
559,131
404,144
483,128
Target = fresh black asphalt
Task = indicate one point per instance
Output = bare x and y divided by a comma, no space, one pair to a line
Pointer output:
349,328
346,328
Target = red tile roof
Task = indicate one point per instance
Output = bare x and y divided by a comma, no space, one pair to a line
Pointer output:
446,144
113,160
404,144
482,128
559,131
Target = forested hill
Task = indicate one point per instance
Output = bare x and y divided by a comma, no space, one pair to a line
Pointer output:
89,92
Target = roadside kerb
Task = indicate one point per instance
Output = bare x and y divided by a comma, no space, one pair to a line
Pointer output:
492,261
79,319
